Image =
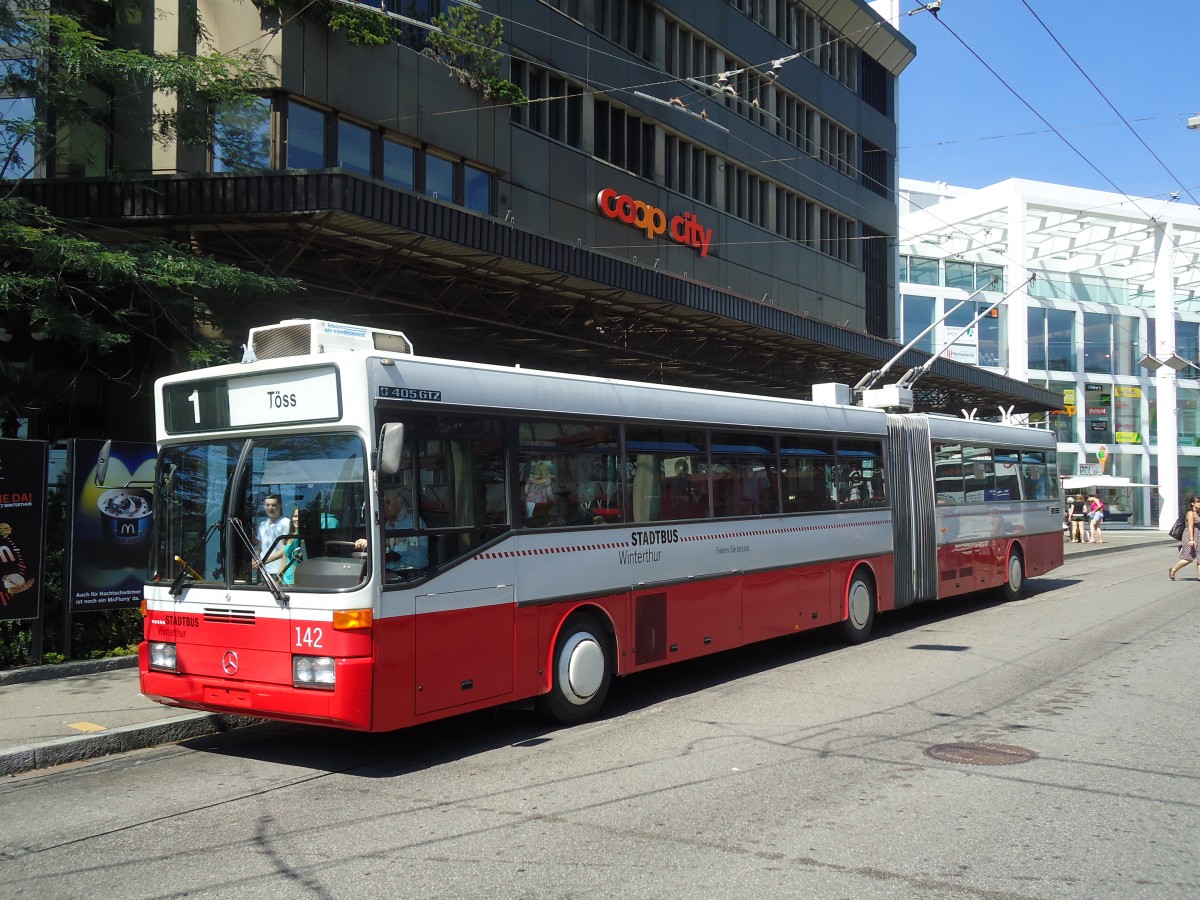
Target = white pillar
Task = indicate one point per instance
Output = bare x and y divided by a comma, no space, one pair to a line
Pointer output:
1167,429
1017,306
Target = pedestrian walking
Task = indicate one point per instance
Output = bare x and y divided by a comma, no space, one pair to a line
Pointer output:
1187,549
1095,519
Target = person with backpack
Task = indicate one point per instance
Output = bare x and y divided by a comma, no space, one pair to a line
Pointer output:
1095,519
1187,549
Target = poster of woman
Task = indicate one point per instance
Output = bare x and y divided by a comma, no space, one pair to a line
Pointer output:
22,517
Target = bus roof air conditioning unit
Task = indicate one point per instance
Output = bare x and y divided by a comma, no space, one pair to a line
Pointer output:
311,337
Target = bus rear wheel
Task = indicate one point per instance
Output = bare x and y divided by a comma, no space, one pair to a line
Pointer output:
1014,583
860,608
581,675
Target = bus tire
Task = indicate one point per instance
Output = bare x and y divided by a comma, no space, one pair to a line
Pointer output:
860,608
1014,582
581,673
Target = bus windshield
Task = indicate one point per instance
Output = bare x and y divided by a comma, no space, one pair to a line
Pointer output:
295,510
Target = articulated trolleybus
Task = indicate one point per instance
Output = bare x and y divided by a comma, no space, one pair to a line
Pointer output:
351,535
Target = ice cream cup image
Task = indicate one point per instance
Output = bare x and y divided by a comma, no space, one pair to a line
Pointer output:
126,515
16,582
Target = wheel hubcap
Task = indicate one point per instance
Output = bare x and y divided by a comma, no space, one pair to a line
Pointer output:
1014,572
581,668
860,604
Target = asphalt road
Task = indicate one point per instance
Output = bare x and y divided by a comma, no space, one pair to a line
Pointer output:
798,768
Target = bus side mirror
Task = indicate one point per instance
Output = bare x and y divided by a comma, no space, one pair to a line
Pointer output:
391,448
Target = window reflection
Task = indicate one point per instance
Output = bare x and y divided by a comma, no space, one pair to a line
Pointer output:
305,137
354,148
439,178
918,315
398,164
477,189
242,136
1097,343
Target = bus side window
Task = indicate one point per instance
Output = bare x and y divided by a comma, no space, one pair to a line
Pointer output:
568,473
808,481
1008,475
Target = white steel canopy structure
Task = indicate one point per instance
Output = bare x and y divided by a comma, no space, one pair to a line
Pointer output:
1111,318
1065,232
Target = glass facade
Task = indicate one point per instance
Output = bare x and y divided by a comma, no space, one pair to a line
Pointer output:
477,189
398,164
305,137
1052,339
439,178
354,148
317,139
917,315
242,137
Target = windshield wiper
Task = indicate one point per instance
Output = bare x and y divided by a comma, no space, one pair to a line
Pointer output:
185,568
240,530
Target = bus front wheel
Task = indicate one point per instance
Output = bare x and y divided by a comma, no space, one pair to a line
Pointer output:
860,608
582,672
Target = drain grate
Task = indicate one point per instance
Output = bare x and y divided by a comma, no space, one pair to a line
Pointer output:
972,754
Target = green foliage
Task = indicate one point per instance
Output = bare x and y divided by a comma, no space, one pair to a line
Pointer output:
94,296
464,44
503,91
361,25
472,50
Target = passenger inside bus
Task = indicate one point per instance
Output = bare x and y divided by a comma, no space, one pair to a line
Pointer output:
292,550
539,490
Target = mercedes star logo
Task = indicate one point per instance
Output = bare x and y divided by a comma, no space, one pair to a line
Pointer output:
229,662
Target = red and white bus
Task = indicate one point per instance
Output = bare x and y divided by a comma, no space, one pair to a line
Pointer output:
470,535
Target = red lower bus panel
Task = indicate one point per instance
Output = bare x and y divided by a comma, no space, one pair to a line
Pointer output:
963,568
1043,553
784,601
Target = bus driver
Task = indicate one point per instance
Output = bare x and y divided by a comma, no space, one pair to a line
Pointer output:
405,555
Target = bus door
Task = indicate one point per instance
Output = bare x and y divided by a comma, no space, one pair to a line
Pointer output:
452,477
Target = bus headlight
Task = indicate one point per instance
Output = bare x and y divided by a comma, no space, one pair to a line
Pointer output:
162,656
314,671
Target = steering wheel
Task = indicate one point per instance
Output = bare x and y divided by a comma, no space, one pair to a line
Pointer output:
346,548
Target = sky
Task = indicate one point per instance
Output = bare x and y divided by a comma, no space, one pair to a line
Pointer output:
964,125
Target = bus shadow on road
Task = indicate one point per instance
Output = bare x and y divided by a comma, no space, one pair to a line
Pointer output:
397,753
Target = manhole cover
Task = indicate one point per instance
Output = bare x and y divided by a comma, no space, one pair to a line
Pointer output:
972,754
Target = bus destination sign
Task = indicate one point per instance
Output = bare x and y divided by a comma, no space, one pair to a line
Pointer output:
276,398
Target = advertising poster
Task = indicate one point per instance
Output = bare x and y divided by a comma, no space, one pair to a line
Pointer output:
112,523
22,527
963,344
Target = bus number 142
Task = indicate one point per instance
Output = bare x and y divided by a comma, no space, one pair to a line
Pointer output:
308,637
